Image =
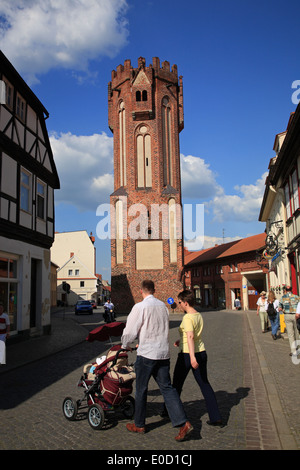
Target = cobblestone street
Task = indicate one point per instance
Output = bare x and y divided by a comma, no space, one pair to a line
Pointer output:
32,394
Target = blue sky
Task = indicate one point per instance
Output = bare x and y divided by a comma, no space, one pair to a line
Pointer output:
238,59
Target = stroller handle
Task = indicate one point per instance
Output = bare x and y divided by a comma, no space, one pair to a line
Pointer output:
119,352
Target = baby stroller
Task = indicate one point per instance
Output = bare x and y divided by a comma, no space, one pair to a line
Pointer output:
108,385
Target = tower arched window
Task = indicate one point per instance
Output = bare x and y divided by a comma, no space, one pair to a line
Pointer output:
138,96
122,129
167,141
144,95
143,153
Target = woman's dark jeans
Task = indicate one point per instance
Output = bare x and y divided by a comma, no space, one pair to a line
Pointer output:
182,368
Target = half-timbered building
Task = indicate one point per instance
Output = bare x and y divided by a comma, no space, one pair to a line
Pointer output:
28,178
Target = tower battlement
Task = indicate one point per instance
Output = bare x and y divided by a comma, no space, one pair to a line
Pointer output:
128,72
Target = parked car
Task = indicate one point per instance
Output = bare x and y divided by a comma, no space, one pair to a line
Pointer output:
94,305
83,306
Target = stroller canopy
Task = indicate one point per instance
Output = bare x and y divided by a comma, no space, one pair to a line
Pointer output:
104,332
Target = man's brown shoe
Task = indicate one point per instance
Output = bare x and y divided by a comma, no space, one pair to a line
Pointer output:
184,431
133,428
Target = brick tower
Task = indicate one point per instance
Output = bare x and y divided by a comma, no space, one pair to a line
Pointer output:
145,114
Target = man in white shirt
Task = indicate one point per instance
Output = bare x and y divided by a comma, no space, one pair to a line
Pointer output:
148,321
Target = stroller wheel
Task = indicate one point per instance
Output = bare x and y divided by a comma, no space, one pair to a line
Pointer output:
128,407
70,408
96,416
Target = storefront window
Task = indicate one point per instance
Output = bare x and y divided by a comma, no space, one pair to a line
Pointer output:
9,289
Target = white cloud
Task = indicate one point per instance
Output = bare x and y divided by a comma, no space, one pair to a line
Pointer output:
243,207
198,180
37,35
85,169
207,241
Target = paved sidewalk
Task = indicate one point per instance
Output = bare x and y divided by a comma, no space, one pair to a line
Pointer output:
272,412
65,333
280,378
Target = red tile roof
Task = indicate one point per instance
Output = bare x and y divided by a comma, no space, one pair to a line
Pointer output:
244,245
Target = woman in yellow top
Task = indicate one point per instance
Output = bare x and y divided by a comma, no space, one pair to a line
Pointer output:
193,355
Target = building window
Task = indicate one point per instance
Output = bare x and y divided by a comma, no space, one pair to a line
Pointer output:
144,164
295,186
70,272
76,272
167,141
141,96
81,283
40,200
287,201
9,288
25,191
20,108
122,130
8,94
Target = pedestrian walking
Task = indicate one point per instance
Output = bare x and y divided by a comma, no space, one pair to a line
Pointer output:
193,356
271,306
148,321
4,333
288,304
261,311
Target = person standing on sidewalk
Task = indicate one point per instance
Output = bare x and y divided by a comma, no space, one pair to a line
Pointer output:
288,304
271,307
148,321
193,356
261,311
